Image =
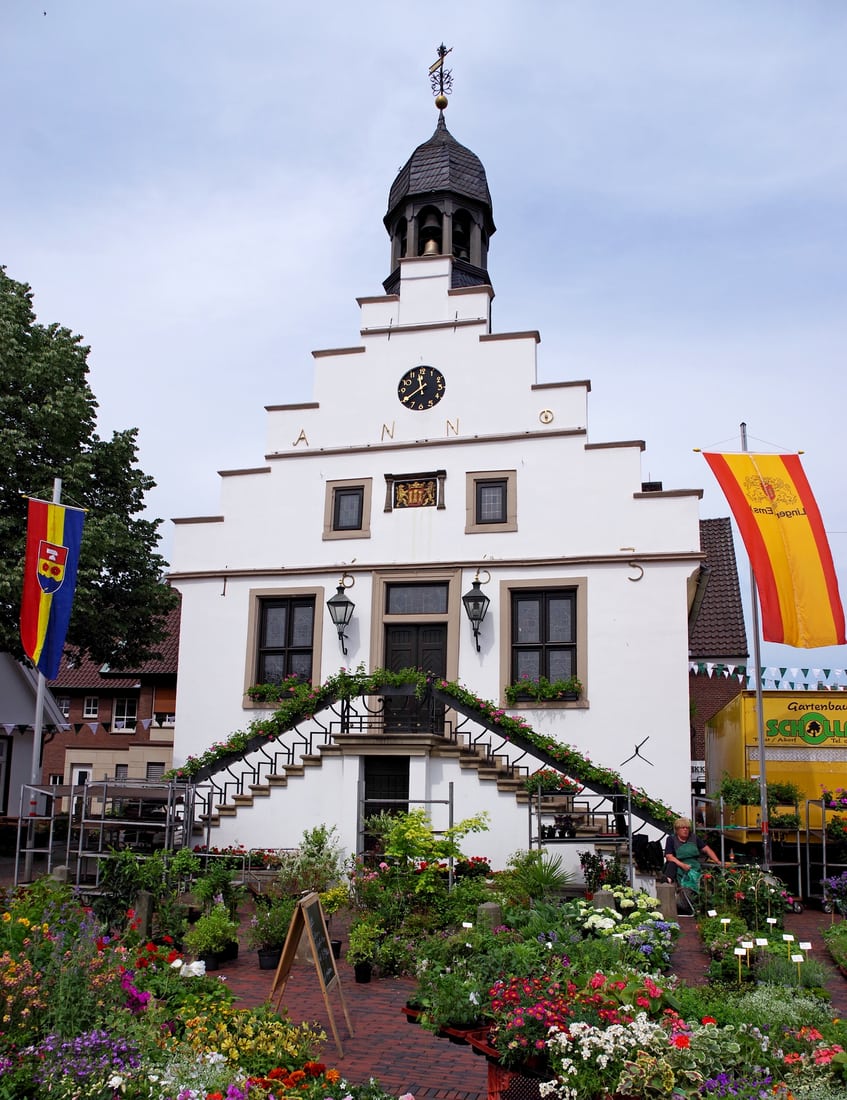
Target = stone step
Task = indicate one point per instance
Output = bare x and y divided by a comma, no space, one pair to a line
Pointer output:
260,790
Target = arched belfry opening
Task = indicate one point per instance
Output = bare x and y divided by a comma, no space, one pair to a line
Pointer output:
430,232
439,205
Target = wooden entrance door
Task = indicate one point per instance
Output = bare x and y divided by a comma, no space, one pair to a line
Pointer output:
415,645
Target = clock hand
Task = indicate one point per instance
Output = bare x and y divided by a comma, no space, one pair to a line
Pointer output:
414,393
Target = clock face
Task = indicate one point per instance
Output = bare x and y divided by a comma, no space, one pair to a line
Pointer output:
421,388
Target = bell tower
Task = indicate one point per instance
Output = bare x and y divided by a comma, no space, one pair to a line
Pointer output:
439,204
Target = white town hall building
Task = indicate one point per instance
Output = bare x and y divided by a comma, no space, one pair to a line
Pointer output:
431,457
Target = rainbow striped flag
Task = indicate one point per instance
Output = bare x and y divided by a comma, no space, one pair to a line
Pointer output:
783,532
53,538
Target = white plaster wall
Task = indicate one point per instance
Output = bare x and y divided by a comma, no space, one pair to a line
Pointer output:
579,516
327,795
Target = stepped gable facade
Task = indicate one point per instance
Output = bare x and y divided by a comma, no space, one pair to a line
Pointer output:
431,458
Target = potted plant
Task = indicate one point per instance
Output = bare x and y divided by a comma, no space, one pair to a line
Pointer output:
213,936
551,781
315,865
363,942
737,791
784,794
217,885
834,799
594,871
542,690
268,928
337,897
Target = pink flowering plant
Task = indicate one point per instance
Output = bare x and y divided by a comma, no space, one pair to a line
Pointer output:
834,799
550,781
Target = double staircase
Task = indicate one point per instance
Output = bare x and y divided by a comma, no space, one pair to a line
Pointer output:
351,725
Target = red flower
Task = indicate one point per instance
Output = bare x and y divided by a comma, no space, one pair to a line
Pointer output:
681,1041
708,1020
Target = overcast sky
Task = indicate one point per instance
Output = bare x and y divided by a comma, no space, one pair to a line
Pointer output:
669,183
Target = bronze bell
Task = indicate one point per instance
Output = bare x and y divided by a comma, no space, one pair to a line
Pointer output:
430,234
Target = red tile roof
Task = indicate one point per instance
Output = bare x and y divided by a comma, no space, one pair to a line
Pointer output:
89,674
719,633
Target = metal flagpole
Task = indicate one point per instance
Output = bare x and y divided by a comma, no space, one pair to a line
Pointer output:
37,726
760,713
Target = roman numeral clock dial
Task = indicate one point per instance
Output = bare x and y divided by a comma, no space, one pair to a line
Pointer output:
421,388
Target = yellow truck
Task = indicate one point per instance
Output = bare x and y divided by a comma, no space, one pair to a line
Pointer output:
805,742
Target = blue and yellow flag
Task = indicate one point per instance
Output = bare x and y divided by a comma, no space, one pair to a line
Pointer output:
53,538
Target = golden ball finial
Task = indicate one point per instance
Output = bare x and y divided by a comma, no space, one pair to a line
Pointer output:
441,101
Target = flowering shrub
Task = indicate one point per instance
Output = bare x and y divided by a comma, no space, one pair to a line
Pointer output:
257,1040
524,1010
543,690
89,1061
834,799
550,781
835,888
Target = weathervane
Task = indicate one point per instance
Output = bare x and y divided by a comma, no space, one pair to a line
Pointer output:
441,79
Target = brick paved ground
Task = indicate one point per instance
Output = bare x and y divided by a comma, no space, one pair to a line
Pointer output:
407,1058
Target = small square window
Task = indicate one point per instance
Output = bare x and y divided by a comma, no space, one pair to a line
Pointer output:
63,702
348,505
121,771
347,509
90,706
491,501
155,771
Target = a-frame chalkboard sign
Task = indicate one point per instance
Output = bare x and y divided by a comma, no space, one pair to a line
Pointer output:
310,915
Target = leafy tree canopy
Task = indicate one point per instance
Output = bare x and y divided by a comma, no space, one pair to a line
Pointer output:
47,430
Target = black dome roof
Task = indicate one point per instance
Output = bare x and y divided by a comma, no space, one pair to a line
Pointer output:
440,164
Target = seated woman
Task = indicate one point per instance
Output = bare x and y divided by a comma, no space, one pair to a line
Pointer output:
683,853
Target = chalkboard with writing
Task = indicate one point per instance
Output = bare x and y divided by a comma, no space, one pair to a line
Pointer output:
321,949
309,915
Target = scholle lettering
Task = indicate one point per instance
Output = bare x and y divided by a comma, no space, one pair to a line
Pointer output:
812,729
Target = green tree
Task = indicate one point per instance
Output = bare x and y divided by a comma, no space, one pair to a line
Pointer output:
47,430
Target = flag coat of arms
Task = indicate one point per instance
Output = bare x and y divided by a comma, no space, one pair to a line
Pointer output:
783,532
53,538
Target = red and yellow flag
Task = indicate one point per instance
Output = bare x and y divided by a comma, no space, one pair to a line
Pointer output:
53,538
783,532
